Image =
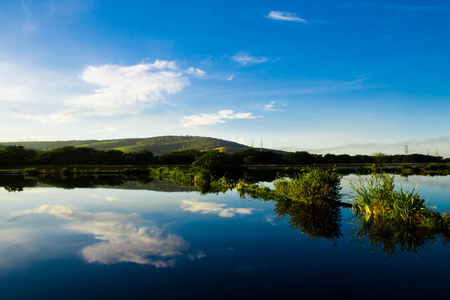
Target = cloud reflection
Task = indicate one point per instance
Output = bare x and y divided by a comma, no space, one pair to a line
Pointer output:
121,239
213,208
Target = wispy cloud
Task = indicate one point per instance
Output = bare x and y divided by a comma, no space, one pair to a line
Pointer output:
244,58
196,72
121,89
213,118
284,16
231,77
214,208
272,106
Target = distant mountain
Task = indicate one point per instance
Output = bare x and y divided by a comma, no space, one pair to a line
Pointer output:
156,145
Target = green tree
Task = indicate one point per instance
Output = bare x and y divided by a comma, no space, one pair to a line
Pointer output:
17,155
214,164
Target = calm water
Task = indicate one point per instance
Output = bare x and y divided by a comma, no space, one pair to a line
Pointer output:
138,243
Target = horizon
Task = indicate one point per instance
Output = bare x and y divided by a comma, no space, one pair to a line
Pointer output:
249,146
351,77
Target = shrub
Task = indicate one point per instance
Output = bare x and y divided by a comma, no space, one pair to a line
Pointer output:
319,187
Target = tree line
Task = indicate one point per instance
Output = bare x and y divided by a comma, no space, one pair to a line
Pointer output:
70,155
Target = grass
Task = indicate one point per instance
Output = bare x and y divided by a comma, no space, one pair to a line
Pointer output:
393,219
378,197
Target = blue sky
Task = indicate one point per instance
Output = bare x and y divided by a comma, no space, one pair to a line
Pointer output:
355,77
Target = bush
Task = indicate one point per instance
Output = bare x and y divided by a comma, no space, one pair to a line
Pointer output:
319,187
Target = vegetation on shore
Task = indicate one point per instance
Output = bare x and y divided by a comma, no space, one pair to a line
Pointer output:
71,156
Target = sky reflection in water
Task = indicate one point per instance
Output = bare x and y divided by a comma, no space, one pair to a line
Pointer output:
190,245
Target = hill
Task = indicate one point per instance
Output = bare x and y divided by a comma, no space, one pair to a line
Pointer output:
157,145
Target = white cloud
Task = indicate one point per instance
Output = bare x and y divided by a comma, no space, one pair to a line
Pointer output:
231,77
272,104
244,58
121,89
196,72
284,16
121,240
214,208
213,118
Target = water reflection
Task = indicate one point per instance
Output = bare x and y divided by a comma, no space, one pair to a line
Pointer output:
314,221
214,208
121,238
390,239
17,183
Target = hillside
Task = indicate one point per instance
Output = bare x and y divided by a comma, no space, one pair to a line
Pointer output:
156,145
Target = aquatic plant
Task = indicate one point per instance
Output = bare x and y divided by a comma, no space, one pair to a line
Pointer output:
316,186
378,197
393,219
372,196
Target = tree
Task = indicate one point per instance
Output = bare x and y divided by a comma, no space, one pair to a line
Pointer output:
17,155
299,157
215,164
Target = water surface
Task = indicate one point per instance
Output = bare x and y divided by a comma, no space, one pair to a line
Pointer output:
140,242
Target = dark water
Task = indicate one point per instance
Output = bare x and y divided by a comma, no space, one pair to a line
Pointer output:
135,243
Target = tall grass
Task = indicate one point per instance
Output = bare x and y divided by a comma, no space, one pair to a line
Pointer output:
393,219
379,198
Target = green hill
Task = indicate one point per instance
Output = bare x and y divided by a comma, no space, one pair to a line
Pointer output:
156,145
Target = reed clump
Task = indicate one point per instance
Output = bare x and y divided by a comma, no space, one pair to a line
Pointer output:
378,197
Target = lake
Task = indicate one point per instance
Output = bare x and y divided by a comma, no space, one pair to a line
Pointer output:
160,241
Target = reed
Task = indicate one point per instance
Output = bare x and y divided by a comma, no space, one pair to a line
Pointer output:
379,198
